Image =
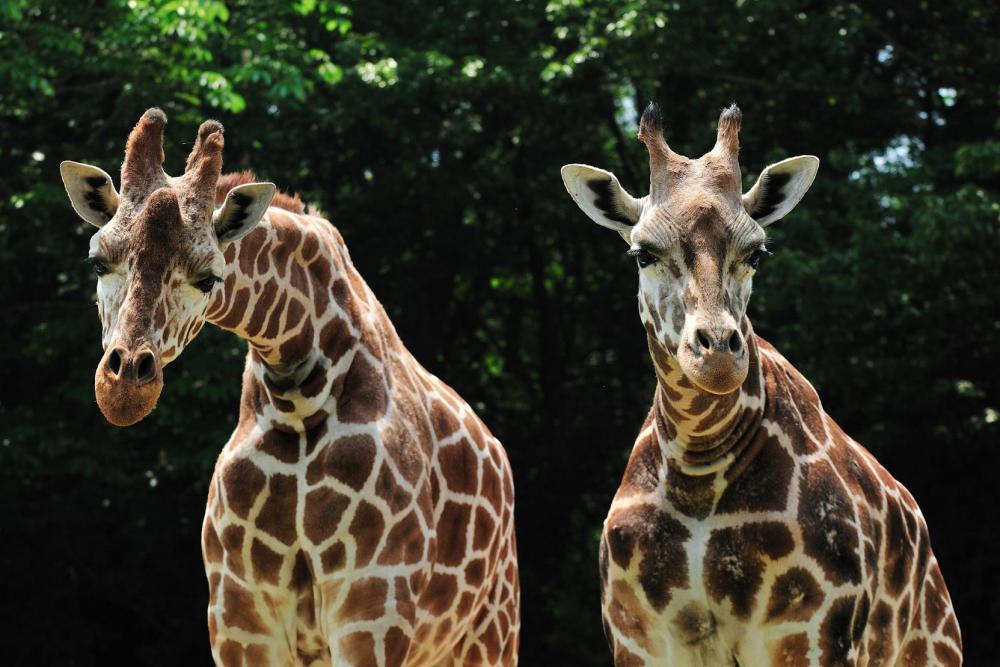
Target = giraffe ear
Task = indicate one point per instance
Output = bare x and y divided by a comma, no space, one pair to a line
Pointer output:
780,187
91,192
245,205
599,194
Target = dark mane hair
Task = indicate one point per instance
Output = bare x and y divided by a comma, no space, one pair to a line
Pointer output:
227,182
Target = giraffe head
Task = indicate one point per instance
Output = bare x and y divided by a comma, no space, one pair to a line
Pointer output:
157,254
697,239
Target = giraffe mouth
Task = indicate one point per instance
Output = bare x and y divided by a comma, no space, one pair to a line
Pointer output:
128,383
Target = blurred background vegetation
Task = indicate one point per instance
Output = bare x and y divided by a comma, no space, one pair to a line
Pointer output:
432,133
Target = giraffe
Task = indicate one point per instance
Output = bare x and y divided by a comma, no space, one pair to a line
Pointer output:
748,528
360,513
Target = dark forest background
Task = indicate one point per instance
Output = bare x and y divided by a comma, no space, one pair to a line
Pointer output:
432,135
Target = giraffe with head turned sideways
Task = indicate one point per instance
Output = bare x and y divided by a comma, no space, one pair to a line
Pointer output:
748,529
361,513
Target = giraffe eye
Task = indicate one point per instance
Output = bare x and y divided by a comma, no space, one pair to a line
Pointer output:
754,259
207,283
643,257
100,268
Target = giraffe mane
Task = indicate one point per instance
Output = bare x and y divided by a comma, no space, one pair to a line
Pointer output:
281,199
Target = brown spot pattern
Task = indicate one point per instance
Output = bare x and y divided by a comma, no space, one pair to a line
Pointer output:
363,398
763,485
795,596
266,562
736,558
365,600
277,516
791,651
323,511
835,632
366,529
348,459
659,538
458,466
243,482
239,609
829,531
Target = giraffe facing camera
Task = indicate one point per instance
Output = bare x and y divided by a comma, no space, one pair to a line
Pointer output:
361,512
748,528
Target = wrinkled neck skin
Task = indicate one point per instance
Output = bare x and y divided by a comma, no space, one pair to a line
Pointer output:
290,289
700,433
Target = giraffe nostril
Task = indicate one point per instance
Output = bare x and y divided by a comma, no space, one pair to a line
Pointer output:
115,362
735,343
146,368
703,340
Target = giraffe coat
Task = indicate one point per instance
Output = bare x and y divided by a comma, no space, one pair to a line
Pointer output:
361,513
361,506
799,550
748,529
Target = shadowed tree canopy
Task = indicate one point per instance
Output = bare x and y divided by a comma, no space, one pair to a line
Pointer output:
432,135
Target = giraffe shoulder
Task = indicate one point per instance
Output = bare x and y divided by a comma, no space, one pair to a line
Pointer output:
642,472
646,532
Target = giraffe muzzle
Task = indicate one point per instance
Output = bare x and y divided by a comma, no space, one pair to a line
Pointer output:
128,383
715,358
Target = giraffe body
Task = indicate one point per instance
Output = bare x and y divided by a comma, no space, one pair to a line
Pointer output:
367,507
748,528
797,548
361,513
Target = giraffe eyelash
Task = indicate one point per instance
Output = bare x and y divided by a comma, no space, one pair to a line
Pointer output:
757,254
206,283
99,263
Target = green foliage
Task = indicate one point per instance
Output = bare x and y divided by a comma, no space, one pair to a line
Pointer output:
432,135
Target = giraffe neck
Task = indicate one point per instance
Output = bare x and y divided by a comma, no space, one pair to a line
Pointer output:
702,433
291,290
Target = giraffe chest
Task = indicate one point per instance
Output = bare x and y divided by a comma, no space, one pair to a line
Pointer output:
716,593
292,516
331,491
324,528
778,562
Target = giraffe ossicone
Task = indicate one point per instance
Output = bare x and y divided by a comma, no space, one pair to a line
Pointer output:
748,528
361,512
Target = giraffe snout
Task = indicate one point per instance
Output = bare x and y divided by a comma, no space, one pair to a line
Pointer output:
140,367
128,382
708,340
713,355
